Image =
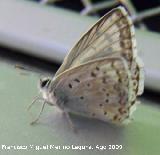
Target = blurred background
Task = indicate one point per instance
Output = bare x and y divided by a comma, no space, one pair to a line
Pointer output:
35,36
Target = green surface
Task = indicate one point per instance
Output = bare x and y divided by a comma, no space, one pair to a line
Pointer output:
141,137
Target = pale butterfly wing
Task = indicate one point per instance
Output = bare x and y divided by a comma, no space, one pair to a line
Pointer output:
99,89
102,75
112,34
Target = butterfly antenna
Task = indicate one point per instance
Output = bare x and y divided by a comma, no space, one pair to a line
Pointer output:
37,118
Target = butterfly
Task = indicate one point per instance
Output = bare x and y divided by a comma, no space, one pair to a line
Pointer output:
102,75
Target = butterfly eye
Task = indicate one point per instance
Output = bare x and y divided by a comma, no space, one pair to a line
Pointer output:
44,82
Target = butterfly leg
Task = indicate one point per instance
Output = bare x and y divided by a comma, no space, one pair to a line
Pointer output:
66,114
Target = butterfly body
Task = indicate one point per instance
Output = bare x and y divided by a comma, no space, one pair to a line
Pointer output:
102,75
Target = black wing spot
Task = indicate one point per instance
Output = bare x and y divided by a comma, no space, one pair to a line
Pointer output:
81,97
106,100
77,80
104,80
88,84
100,105
107,94
134,83
105,113
97,68
93,74
70,86
119,80
115,117
117,72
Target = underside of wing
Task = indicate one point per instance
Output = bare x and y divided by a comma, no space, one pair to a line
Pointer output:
112,35
99,89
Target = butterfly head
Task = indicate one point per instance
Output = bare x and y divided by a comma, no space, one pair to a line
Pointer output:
44,83
44,86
